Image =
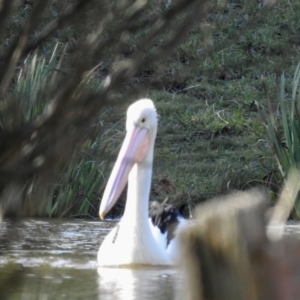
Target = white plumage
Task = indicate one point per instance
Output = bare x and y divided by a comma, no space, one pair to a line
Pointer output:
135,240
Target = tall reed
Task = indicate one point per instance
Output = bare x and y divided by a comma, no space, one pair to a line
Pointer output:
73,190
283,127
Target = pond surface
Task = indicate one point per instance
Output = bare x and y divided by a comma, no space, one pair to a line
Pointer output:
57,259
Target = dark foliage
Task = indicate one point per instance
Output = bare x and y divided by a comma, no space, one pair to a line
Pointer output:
36,149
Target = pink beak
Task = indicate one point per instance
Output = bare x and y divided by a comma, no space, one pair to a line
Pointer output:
134,150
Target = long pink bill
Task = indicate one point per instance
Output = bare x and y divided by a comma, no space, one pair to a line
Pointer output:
134,150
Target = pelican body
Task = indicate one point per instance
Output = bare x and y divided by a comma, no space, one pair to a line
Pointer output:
132,242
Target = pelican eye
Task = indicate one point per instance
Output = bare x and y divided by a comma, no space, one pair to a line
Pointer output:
143,120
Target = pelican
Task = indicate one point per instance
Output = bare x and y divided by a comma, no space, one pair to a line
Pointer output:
136,241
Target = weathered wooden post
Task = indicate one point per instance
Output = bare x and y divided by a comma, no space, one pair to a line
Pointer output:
226,253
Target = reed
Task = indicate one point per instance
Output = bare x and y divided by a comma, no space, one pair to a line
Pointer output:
73,189
283,126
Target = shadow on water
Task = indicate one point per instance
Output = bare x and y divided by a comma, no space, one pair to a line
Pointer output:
56,259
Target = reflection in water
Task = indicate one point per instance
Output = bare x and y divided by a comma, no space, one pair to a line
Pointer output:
56,259
143,283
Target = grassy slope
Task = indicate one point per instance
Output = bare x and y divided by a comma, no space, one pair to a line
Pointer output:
210,138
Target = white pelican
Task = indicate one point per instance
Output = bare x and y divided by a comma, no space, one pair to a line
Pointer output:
135,241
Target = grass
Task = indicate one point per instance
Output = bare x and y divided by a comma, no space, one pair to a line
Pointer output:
211,137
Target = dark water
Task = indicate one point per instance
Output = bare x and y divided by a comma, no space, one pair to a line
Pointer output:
56,259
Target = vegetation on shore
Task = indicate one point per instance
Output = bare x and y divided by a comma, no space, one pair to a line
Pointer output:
210,92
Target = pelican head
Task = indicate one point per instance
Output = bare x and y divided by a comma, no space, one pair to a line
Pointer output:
137,148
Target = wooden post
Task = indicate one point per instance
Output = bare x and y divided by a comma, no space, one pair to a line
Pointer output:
226,254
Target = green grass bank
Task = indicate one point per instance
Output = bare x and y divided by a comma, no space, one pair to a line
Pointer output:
211,137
